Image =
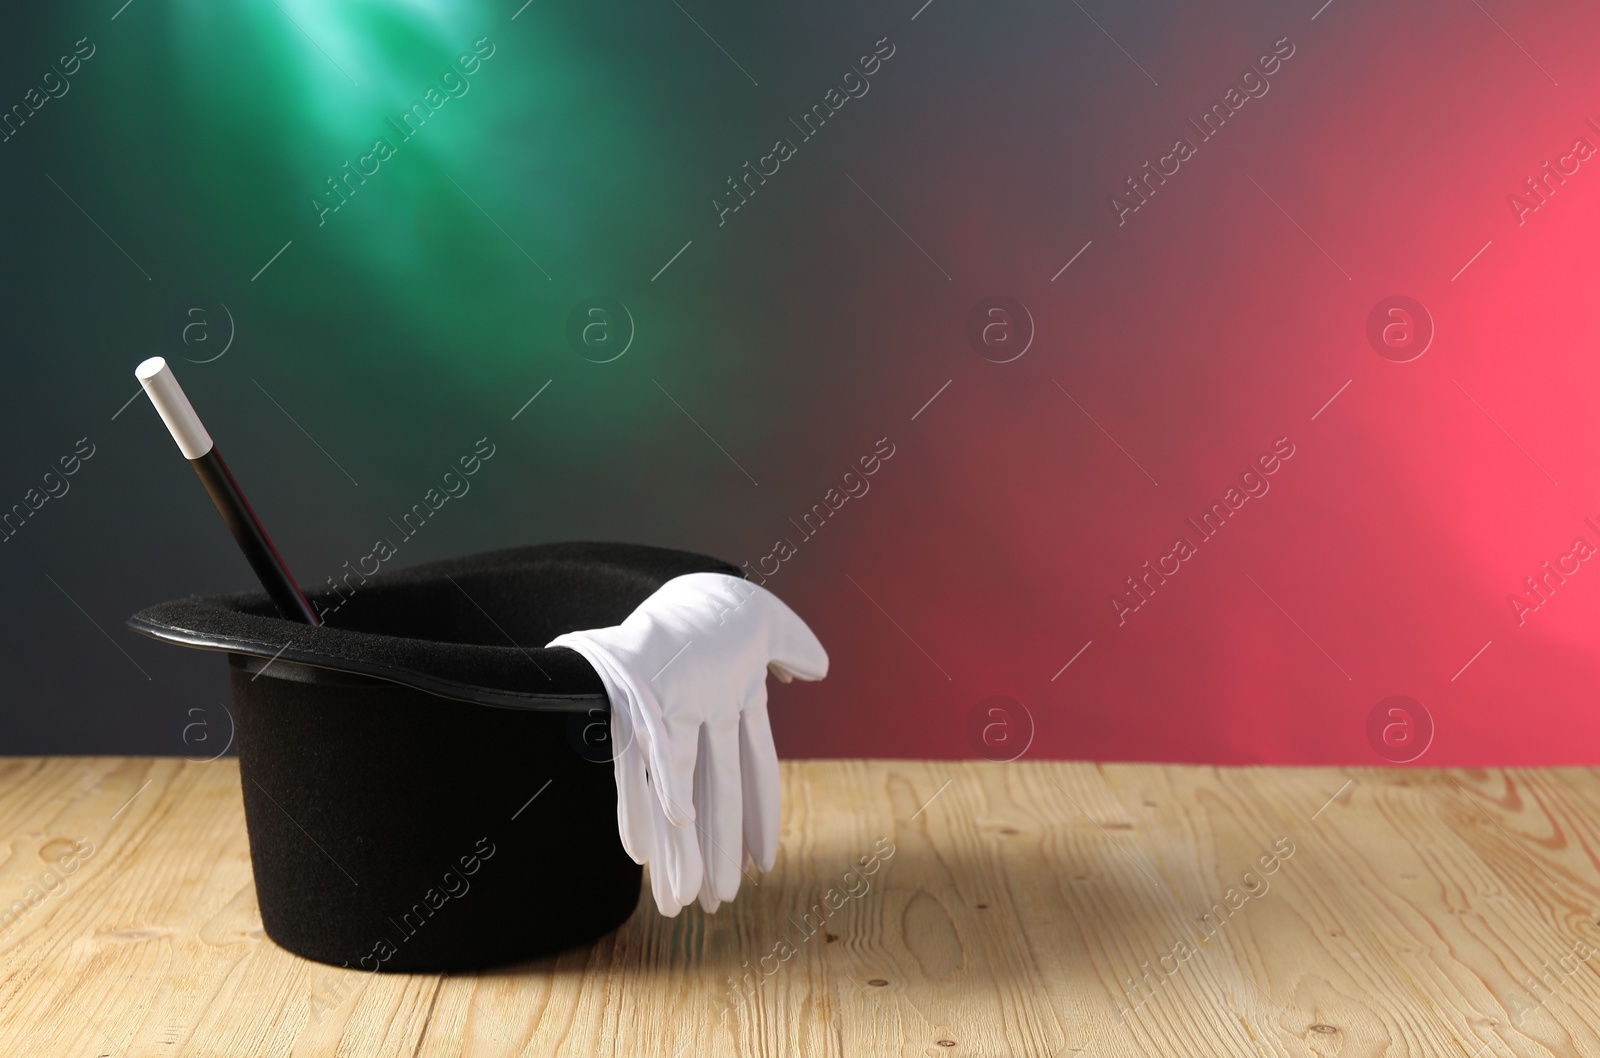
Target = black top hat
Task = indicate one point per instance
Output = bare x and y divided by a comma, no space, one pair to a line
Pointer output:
426,787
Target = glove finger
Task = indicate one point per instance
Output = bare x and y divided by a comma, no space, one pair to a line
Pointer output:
758,768
672,766
683,855
795,649
661,889
628,765
673,800
664,863
709,817
677,850
636,807
719,808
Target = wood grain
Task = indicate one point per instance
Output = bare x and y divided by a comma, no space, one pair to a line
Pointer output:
1031,909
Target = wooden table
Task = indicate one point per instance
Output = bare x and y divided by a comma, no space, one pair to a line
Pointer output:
1029,909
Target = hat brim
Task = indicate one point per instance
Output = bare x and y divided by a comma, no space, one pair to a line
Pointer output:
470,628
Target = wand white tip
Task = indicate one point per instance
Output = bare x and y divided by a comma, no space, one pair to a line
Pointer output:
176,411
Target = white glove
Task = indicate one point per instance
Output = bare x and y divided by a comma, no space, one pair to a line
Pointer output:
697,773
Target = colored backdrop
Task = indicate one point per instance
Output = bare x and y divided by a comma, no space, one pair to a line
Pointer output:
1148,381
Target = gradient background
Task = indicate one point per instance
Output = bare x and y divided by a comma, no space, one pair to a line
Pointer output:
822,316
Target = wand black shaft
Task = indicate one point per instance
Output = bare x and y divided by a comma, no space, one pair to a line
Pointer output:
242,522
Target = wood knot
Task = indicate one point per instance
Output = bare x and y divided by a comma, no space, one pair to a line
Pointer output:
1326,1030
878,982
56,848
